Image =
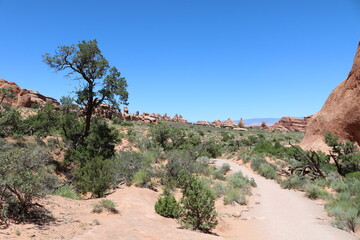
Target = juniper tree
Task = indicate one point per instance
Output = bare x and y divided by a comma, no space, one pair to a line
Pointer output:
101,83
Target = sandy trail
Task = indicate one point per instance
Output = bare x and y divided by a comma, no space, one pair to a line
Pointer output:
285,214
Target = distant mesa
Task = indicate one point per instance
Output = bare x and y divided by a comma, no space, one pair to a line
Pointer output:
340,114
24,97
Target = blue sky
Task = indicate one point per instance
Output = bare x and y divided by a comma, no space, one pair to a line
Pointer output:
204,59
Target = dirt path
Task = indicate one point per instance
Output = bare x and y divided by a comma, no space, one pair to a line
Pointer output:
281,214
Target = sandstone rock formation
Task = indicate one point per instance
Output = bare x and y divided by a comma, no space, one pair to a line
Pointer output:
216,123
241,123
291,124
228,124
203,123
24,97
340,113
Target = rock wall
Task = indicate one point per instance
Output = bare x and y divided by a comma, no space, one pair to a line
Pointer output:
340,113
291,124
24,97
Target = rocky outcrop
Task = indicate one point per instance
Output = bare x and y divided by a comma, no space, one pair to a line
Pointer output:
203,123
228,124
290,124
340,113
216,123
241,123
24,97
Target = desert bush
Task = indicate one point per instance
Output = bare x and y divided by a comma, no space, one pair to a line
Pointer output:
123,123
129,163
167,206
197,204
181,161
209,148
293,182
235,196
141,178
266,170
10,120
107,204
256,162
67,192
346,211
219,189
43,123
96,176
314,191
24,176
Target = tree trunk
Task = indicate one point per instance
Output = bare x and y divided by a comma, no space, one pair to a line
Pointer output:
88,115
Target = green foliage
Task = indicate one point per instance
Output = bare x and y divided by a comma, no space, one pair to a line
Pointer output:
198,204
130,163
293,182
67,192
314,191
99,143
24,176
345,155
109,205
7,92
123,123
43,123
219,189
141,178
96,176
267,171
346,210
167,206
209,148
10,120
235,196
101,84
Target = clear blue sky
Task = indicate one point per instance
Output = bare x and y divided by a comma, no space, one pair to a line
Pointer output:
204,59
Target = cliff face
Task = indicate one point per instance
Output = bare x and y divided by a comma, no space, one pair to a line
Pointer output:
24,97
340,113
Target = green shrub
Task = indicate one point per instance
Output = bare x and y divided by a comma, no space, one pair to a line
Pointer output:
256,162
99,143
246,159
209,148
105,204
10,120
225,168
43,123
141,178
313,191
197,204
346,210
96,176
219,189
24,177
109,205
235,196
293,182
267,171
129,163
167,206
67,192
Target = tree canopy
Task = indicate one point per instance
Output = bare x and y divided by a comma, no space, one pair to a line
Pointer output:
101,82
